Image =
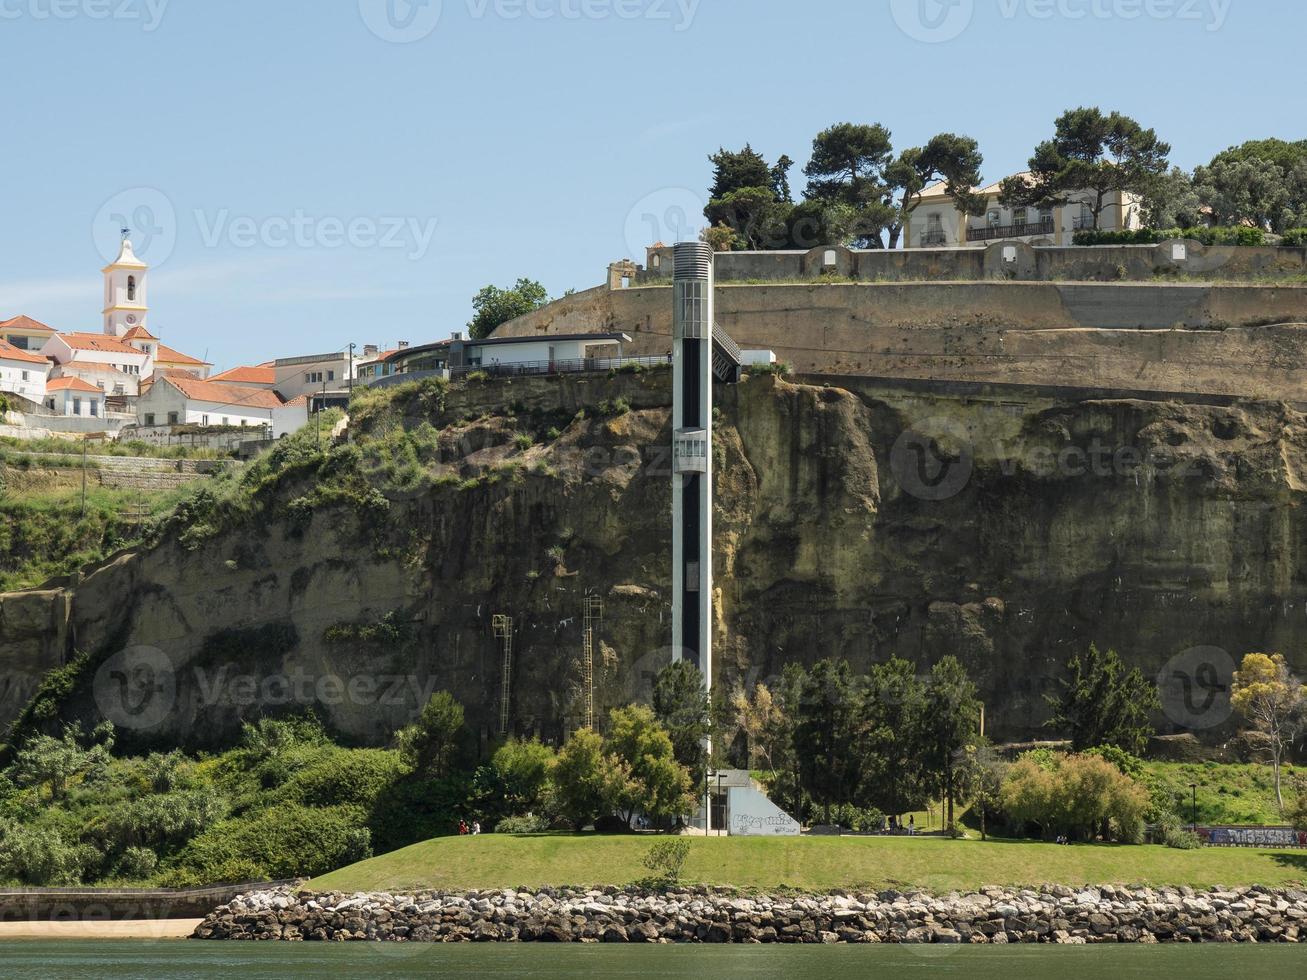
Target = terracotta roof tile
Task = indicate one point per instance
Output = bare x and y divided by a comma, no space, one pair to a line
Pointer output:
247,376
11,353
98,342
71,384
225,394
25,323
169,356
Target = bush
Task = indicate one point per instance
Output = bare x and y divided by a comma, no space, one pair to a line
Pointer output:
529,824
666,859
39,856
1080,796
285,841
137,864
1151,236
344,776
857,819
1294,237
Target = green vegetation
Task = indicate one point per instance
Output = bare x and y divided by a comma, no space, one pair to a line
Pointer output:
494,306
131,447
807,863
1104,703
1149,236
44,532
1227,793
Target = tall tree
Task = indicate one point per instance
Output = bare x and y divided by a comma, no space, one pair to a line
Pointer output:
494,306
825,734
1267,694
848,167
681,704
1105,703
1093,152
955,160
950,722
892,751
1173,202
588,781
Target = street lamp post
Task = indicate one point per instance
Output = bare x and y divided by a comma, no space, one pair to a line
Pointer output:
1193,806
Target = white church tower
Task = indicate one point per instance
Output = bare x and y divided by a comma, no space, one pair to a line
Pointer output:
125,305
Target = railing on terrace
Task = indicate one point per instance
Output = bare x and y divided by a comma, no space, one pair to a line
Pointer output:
994,232
1083,221
573,366
933,237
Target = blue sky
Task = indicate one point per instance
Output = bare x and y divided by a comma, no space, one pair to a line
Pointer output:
313,172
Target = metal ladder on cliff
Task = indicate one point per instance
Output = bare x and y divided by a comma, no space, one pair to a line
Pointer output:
503,626
594,611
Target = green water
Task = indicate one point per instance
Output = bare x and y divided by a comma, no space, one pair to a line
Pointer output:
20,960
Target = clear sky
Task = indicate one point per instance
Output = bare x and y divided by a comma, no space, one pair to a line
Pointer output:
306,173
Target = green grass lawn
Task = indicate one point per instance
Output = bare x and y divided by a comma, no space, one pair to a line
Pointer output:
1238,793
807,863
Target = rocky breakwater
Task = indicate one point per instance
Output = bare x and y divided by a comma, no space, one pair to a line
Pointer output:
1050,914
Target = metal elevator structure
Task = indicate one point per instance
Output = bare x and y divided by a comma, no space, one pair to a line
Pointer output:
701,353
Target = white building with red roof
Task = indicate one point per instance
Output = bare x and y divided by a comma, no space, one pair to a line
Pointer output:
23,373
112,365
173,400
75,397
260,376
25,333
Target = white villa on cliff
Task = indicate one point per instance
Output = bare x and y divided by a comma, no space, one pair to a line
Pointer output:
937,223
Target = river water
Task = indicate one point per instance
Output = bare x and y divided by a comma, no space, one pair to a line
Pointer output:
246,961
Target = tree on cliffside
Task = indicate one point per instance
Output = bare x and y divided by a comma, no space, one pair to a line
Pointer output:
1104,703
1267,694
1093,152
495,306
429,745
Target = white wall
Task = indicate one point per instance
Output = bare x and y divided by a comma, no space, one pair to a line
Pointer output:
32,387
81,404
162,400
752,814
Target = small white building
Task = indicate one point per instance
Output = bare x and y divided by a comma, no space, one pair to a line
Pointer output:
937,223
23,373
188,401
75,397
113,366
312,374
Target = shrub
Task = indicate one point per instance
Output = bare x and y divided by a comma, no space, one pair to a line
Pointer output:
666,859
344,776
529,824
41,857
1294,237
1152,236
285,841
1080,796
524,441
137,864
1095,236
856,819
477,377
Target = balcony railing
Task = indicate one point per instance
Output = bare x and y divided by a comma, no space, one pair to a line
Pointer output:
991,233
1082,221
934,237
571,366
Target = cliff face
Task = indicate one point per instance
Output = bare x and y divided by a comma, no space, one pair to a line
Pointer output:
863,524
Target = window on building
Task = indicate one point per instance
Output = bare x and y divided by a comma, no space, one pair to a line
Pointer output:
131,289
95,407
77,406
331,375
995,218
1019,216
204,420
225,420
27,375
172,418
149,419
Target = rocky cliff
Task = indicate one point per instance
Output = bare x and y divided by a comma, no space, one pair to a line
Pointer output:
1009,527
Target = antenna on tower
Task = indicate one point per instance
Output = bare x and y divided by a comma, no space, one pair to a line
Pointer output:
126,233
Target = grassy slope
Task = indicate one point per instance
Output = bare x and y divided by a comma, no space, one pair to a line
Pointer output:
807,863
